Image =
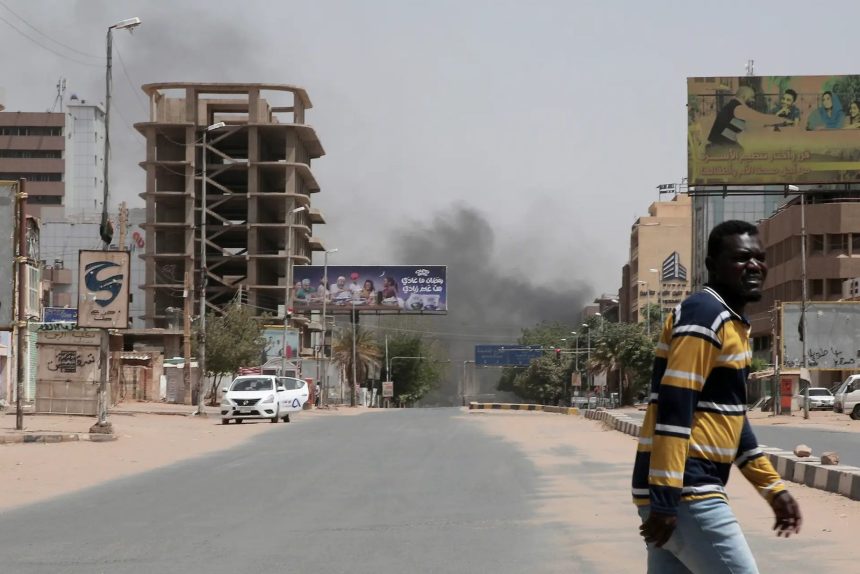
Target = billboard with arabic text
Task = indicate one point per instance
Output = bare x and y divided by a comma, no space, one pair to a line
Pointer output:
756,130
412,289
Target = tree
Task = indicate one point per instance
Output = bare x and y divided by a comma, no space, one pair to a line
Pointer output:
543,380
548,335
625,347
367,353
413,378
233,340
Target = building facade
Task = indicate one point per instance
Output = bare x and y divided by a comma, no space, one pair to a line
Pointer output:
255,171
833,262
660,251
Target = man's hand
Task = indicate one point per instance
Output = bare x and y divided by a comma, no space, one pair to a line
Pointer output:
787,512
658,528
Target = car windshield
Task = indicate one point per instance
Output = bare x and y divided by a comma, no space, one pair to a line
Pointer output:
819,393
262,384
291,384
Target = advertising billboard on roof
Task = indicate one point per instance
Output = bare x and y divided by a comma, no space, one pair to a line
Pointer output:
412,289
757,130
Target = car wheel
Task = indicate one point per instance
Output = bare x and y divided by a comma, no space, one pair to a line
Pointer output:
238,421
274,419
225,421
855,414
286,418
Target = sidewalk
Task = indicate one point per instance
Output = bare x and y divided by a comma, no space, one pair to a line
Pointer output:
585,494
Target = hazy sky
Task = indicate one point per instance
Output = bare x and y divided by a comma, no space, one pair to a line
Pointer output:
552,122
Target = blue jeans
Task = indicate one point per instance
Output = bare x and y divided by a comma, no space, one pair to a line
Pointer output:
707,540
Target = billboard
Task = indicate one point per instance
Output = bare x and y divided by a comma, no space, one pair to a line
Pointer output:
7,252
832,336
415,289
755,130
274,336
103,283
512,355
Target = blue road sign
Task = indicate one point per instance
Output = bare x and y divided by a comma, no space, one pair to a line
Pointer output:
506,355
60,315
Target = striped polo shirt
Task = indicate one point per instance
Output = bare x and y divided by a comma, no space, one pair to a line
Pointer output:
696,425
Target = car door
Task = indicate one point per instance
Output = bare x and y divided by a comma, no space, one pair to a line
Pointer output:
295,393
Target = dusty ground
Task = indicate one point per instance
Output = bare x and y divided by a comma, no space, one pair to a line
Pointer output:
586,495
34,472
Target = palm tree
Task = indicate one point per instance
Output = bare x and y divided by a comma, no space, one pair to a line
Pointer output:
367,353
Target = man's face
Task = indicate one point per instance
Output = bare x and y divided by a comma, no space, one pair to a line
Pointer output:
341,281
787,100
740,268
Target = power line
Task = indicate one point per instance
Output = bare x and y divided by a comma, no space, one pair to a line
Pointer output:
49,37
128,78
61,55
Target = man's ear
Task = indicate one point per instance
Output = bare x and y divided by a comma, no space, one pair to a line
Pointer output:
709,264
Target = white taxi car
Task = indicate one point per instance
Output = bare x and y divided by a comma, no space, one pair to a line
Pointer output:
262,397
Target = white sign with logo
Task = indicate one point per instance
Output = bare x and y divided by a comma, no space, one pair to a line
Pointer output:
103,287
387,389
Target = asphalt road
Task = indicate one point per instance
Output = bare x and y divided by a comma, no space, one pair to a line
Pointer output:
398,491
847,444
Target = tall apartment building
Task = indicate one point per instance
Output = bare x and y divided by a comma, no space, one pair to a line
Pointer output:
257,171
660,248
833,260
61,154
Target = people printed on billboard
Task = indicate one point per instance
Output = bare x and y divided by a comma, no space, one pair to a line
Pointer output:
402,288
756,130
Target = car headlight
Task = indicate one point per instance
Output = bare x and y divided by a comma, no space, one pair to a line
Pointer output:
269,399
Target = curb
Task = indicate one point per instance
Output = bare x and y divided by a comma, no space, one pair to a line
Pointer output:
523,407
49,438
838,478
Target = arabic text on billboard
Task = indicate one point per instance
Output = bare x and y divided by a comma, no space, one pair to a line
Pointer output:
401,288
832,335
755,130
103,282
506,355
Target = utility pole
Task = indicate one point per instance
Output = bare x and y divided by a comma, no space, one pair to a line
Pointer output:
186,330
21,196
123,226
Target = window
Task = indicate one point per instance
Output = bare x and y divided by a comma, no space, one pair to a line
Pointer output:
45,200
31,131
855,244
837,243
834,287
816,287
816,244
33,176
31,153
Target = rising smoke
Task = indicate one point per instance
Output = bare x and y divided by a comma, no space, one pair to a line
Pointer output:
488,301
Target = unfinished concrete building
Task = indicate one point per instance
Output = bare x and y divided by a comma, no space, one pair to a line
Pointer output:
255,172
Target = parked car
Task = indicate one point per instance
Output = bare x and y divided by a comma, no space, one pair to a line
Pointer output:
847,397
819,398
262,397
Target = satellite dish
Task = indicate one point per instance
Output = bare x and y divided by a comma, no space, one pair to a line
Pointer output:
74,97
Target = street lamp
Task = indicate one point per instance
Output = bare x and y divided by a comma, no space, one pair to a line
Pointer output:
659,293
203,277
288,288
324,326
130,24
647,305
588,355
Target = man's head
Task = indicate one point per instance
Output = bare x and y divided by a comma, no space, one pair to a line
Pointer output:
354,276
306,283
746,94
341,281
789,97
736,262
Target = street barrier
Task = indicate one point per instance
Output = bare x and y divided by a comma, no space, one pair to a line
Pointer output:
523,407
838,478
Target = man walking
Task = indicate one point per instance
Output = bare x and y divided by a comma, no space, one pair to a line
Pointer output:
696,424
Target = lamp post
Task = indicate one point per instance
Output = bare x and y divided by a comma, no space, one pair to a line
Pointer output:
659,293
129,24
288,288
647,305
803,293
323,395
201,352
588,356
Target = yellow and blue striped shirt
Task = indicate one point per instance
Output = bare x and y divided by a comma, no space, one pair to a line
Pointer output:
696,425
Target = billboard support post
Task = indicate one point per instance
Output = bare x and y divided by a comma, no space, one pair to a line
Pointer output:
22,302
803,294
